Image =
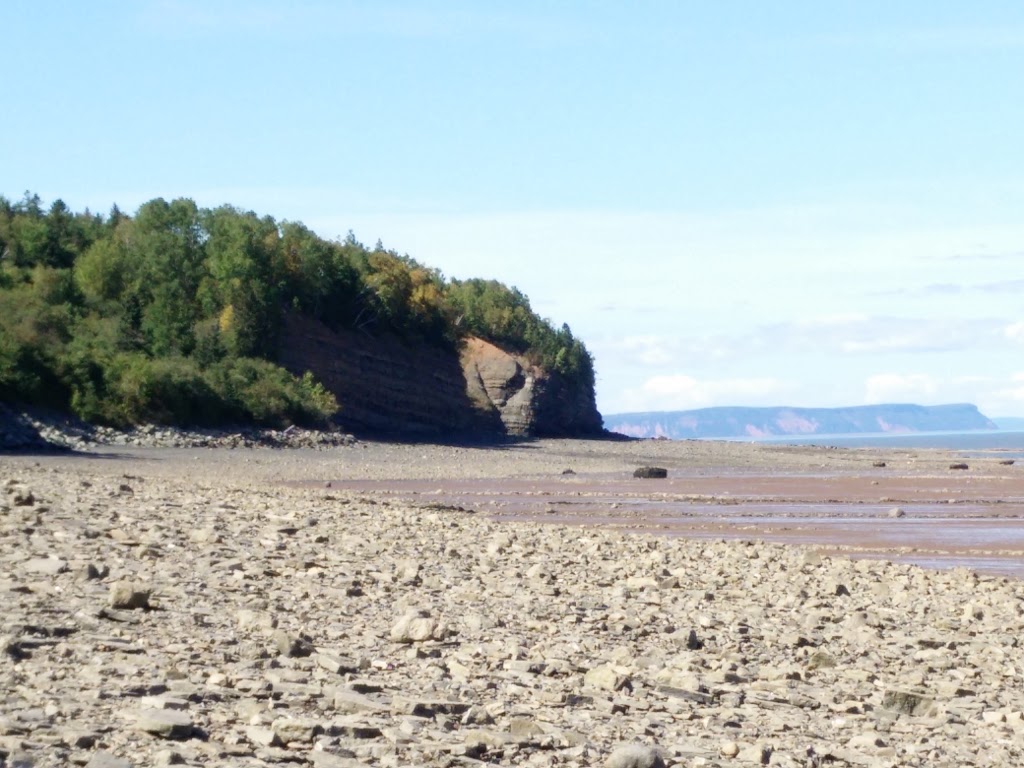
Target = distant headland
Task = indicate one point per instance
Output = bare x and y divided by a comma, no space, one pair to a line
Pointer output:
728,421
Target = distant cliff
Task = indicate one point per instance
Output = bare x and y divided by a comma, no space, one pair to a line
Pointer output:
766,422
386,385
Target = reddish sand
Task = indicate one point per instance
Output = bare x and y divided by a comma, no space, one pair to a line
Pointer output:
950,518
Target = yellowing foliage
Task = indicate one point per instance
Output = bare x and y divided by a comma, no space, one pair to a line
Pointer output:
226,321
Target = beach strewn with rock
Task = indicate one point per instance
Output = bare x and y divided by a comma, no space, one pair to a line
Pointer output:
256,607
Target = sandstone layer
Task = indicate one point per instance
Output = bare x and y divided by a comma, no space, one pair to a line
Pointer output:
193,607
386,385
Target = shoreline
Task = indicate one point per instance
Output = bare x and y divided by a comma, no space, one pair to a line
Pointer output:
340,626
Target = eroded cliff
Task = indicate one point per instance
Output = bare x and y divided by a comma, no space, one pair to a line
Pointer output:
384,384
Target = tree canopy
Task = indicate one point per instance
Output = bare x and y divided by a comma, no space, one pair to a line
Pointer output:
173,314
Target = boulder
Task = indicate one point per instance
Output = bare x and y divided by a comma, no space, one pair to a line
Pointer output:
650,473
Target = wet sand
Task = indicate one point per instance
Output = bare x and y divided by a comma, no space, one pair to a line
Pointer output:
836,500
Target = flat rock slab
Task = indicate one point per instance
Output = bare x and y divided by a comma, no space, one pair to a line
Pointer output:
45,566
107,760
165,723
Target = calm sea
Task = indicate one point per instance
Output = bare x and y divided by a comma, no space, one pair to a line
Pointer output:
1009,442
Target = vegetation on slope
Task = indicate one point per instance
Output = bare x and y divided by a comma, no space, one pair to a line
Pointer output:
172,315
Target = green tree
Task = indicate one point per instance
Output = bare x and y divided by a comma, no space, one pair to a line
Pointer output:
167,251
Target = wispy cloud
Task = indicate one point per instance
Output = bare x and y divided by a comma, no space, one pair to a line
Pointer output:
862,334
984,255
1015,332
851,335
890,387
681,392
1014,285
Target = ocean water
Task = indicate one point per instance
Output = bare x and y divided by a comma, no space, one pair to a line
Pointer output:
1008,443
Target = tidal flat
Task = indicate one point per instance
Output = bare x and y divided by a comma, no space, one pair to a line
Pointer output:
388,604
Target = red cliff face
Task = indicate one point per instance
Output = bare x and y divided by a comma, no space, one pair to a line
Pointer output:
384,384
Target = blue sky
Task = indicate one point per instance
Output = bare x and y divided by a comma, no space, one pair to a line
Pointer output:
732,203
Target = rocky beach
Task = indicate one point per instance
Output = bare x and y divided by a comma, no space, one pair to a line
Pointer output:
384,604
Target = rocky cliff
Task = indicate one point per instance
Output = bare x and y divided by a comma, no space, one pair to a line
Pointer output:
384,384
766,422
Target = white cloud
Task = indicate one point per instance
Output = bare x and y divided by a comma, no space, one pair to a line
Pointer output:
649,350
1012,392
1015,331
897,387
682,392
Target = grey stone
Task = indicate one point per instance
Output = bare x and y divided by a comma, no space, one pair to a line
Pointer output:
107,760
418,626
45,566
262,737
289,730
606,677
906,702
635,756
165,723
294,646
125,595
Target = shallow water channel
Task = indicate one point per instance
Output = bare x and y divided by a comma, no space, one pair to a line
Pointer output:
946,522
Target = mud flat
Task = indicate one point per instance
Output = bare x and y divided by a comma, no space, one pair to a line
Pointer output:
228,608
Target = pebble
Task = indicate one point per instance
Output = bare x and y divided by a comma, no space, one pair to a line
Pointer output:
125,595
635,756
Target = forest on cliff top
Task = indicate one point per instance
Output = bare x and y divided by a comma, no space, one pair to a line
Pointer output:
172,315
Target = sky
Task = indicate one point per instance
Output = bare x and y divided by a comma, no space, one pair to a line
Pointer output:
732,203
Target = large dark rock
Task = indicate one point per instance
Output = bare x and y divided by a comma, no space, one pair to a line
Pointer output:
651,473
18,433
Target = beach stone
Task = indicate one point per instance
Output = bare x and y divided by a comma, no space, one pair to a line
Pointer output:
169,757
21,497
45,566
821,660
337,665
289,730
729,749
165,723
959,465
323,759
635,756
125,595
606,677
348,701
107,760
292,646
906,702
650,473
261,736
418,626
95,571
897,512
